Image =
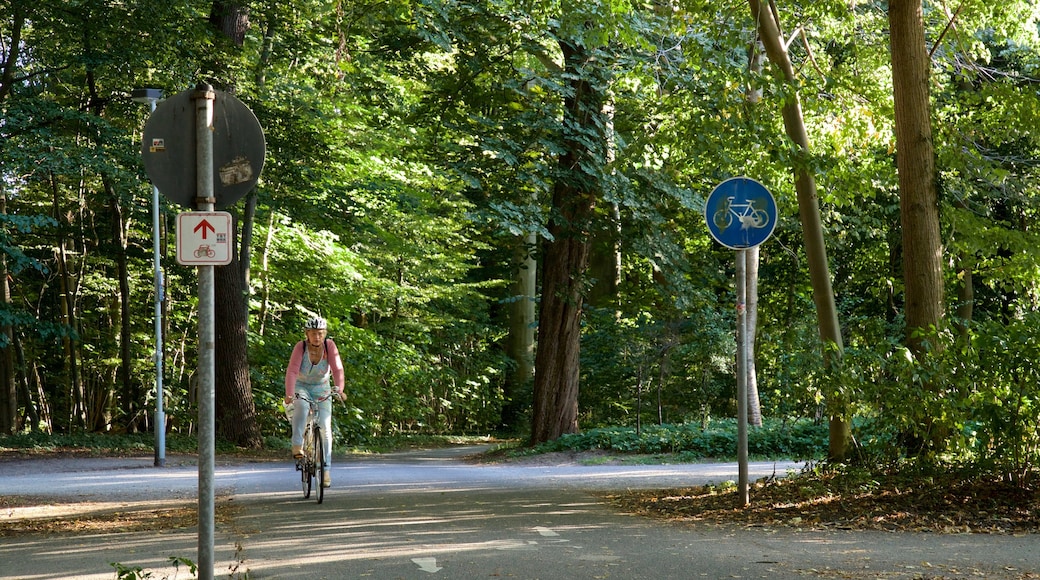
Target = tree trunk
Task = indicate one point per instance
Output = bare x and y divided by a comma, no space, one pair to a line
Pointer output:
8,392
521,329
131,401
235,410
812,228
232,18
918,194
76,399
918,198
566,256
8,386
605,251
754,405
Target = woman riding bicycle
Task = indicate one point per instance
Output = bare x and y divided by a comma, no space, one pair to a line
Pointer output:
313,362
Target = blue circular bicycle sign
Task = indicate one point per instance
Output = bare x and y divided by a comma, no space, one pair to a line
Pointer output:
741,213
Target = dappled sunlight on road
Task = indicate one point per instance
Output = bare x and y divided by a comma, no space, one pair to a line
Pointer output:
357,527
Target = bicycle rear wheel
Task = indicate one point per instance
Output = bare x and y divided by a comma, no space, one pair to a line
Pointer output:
307,463
319,463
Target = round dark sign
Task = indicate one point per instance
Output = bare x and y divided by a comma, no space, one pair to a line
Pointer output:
168,149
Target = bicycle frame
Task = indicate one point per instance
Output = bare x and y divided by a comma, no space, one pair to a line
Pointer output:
312,465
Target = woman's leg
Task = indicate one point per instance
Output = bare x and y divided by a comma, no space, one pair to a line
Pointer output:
325,420
299,421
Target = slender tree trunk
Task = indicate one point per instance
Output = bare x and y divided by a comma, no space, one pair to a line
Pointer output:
8,386
756,64
265,275
131,400
76,398
605,251
8,391
32,416
521,329
812,228
915,158
566,257
751,303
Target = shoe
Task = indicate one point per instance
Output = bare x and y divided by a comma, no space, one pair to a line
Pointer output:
297,451
327,480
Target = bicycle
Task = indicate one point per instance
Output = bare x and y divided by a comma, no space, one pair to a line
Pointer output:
749,217
312,464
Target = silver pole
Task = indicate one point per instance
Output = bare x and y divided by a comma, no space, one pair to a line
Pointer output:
151,96
204,99
160,415
742,358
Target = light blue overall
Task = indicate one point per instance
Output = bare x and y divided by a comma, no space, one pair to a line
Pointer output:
313,382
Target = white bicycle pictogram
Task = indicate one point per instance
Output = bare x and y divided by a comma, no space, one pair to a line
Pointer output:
746,213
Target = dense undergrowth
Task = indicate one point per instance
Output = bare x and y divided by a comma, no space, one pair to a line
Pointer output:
717,440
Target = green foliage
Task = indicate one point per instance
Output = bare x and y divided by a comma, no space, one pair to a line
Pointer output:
412,144
124,572
718,440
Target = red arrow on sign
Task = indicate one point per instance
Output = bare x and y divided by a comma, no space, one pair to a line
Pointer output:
204,225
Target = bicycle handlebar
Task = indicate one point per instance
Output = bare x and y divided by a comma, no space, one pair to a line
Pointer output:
303,397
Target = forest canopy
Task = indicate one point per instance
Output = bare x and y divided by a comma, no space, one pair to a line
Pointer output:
433,166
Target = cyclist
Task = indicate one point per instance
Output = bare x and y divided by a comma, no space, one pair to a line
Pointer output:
313,362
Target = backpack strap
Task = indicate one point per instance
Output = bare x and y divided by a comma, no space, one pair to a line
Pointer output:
325,342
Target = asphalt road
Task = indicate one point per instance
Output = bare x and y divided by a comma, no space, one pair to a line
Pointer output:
431,515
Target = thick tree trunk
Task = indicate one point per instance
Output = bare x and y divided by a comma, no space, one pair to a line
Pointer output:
812,228
235,411
566,256
232,18
918,197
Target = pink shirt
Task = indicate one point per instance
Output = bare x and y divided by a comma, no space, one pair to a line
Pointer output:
330,353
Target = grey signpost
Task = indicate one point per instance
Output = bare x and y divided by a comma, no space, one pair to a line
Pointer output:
741,214
151,97
204,149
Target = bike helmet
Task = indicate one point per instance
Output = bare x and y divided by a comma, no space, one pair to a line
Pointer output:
316,323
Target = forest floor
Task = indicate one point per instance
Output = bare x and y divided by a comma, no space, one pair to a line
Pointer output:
942,503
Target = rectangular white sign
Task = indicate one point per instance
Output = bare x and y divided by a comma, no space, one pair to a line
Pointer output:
204,238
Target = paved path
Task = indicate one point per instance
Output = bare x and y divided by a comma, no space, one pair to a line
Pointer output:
430,515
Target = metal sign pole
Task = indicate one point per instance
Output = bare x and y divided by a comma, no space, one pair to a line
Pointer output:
204,98
740,214
742,367
172,147
151,96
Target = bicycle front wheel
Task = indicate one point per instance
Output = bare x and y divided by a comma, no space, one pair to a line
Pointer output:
307,464
319,463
